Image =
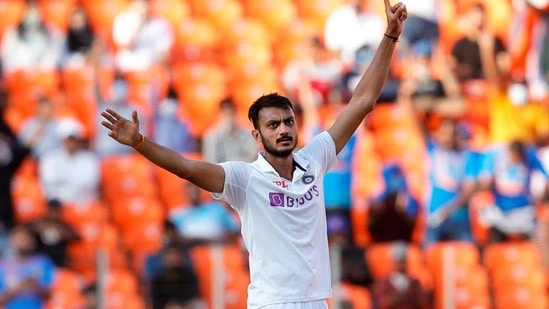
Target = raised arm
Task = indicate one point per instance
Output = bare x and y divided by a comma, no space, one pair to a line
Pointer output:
370,85
207,176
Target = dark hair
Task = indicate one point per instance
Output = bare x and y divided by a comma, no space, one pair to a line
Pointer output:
268,100
227,103
519,148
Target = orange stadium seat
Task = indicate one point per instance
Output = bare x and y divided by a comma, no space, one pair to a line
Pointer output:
221,13
245,93
469,289
357,296
28,198
11,13
195,40
453,254
174,11
171,189
380,261
234,269
124,176
246,30
80,97
292,40
102,13
520,298
122,290
317,11
79,216
136,212
200,86
57,13
274,15
95,237
244,53
524,253
66,290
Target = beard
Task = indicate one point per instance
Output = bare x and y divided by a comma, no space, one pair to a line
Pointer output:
281,153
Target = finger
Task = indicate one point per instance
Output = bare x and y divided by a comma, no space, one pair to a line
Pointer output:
387,5
401,12
113,114
109,117
107,125
134,117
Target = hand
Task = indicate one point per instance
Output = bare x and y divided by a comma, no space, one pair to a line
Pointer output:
121,129
396,15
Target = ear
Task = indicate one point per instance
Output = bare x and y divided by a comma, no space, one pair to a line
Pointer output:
256,135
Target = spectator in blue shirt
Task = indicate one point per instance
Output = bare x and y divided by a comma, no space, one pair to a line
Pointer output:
506,171
25,276
204,221
452,170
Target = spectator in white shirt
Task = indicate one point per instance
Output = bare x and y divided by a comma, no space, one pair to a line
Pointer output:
31,45
141,39
351,27
70,173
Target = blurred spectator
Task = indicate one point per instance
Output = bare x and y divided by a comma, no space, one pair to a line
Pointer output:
204,221
25,276
393,214
70,174
354,269
141,39
43,120
176,285
399,290
104,145
317,67
467,62
506,172
31,45
170,129
530,45
351,27
452,169
80,39
54,235
12,153
422,25
362,58
89,294
153,262
228,139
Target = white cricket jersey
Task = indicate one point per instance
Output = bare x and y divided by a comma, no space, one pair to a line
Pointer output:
284,224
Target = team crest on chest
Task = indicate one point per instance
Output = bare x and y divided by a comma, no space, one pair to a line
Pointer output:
308,179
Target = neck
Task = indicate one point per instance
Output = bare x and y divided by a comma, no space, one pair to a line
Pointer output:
284,166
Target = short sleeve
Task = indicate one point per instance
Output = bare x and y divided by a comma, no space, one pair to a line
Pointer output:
237,176
487,165
322,149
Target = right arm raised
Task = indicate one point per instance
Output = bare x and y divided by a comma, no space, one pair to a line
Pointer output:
208,176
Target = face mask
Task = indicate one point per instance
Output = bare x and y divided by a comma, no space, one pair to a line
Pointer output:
518,94
32,20
168,108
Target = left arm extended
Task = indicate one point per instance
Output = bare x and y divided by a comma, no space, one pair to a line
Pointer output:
370,85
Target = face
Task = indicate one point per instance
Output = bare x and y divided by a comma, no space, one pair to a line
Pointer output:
78,19
22,241
277,131
446,134
477,18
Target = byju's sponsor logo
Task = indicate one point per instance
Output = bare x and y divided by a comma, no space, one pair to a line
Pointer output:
278,199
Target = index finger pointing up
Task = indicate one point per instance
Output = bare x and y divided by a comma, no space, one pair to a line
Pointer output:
387,5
